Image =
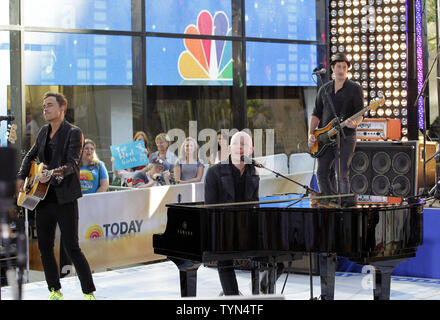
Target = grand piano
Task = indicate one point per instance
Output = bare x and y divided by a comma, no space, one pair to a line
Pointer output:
378,231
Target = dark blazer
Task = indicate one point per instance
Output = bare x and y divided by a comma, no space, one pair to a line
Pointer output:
219,184
67,154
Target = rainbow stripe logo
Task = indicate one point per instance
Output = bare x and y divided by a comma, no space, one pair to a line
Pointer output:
206,59
94,232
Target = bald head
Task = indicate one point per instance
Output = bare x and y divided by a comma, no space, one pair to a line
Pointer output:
241,145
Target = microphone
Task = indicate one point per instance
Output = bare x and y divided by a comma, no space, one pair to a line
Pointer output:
319,71
251,161
7,118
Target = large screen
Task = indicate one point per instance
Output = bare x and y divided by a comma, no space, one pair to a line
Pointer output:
78,14
174,61
281,19
280,64
77,59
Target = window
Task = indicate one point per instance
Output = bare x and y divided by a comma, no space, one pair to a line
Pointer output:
78,14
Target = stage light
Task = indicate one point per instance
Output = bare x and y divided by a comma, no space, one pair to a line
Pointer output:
372,33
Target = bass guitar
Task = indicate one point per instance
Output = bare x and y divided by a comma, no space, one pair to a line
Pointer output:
34,190
325,137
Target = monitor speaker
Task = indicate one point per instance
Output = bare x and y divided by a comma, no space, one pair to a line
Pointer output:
385,168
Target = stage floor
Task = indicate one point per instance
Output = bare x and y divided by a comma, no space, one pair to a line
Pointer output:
160,281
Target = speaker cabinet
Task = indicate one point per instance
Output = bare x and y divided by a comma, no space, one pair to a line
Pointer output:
385,168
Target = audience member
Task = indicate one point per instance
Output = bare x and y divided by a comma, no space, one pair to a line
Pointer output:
162,142
152,175
93,173
188,168
222,149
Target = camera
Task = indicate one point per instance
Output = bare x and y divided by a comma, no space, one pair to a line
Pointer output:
159,178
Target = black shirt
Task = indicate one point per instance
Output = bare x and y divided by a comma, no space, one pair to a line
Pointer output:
239,182
347,101
51,145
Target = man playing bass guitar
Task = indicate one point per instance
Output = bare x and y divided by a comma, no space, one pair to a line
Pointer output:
347,99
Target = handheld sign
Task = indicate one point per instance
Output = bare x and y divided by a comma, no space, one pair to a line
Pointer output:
129,155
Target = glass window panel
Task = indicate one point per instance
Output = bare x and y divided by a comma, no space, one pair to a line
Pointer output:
205,17
4,12
80,14
188,61
280,64
104,114
71,59
173,107
282,19
4,83
276,108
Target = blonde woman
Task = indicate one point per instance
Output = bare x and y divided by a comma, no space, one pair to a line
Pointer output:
93,173
162,143
188,169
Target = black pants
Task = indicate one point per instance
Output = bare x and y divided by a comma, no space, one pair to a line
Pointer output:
328,167
48,215
227,276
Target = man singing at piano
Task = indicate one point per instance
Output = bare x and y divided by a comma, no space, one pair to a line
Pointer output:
347,99
229,181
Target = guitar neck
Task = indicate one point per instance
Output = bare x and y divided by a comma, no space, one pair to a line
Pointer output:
334,131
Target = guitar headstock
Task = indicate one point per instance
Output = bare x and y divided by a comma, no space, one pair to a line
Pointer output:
12,133
376,103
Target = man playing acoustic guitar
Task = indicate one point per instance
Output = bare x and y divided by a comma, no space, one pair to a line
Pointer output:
347,99
58,145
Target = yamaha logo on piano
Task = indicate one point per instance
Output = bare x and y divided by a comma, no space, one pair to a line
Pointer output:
183,230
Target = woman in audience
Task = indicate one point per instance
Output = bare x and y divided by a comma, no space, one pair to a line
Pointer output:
142,136
162,142
188,168
93,173
222,149
125,176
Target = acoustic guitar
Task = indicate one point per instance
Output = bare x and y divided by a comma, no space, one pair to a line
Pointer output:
325,137
35,191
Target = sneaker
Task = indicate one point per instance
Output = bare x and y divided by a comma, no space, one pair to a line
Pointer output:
89,297
55,295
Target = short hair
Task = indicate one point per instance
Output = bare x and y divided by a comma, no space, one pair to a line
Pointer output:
162,136
61,99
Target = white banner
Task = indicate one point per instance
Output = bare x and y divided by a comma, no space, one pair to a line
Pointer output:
116,228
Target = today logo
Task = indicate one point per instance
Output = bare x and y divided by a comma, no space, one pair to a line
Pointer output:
116,229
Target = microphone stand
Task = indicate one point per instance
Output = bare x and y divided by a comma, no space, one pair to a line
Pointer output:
337,126
277,174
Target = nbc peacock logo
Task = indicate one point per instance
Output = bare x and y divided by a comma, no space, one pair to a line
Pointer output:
206,59
94,232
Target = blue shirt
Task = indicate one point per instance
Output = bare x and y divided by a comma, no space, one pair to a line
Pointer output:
90,176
